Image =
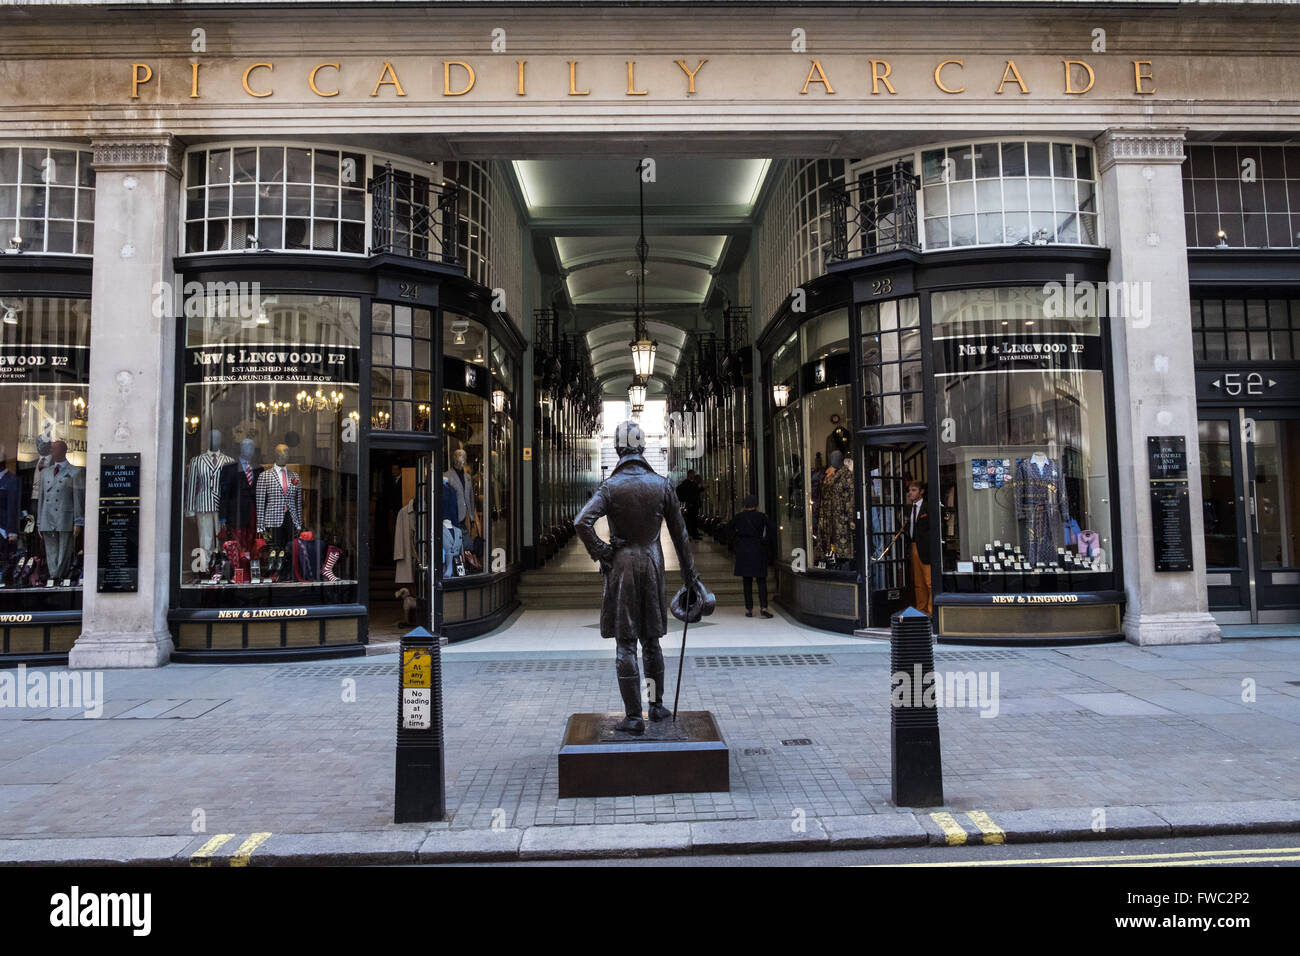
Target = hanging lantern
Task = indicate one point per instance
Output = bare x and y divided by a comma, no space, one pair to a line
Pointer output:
780,395
498,401
643,356
636,395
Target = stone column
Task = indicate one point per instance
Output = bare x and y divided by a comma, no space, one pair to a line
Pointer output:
1155,388
132,403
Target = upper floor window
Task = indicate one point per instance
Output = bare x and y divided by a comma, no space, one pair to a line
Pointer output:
47,200
1246,330
1009,193
275,197
1242,196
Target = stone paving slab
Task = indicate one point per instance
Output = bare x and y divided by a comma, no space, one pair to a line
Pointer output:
759,836
630,839
874,831
288,753
93,851
479,846
1250,816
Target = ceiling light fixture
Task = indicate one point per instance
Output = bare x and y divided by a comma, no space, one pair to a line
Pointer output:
636,395
643,347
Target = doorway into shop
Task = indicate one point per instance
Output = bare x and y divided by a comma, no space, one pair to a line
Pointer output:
399,548
890,468
1250,489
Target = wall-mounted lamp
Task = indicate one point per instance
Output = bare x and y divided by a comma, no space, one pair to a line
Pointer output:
780,395
1223,240
498,401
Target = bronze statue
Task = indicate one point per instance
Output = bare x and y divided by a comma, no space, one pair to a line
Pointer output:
636,500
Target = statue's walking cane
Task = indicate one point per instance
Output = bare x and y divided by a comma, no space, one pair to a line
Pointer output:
681,661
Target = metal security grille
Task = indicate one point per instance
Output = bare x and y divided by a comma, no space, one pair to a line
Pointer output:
763,660
941,657
335,671
539,667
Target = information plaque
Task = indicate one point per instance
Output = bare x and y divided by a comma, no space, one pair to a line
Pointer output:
119,523
1171,511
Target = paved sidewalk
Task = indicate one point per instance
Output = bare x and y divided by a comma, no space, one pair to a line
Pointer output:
1139,741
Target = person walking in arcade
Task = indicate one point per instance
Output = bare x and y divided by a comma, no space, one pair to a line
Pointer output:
918,546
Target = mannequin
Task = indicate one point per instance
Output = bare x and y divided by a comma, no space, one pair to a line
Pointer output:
203,491
452,539
62,510
1042,505
237,498
462,485
279,507
834,525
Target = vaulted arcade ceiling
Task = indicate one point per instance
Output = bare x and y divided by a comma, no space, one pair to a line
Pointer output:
585,216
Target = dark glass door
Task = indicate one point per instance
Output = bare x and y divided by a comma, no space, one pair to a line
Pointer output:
884,488
1250,466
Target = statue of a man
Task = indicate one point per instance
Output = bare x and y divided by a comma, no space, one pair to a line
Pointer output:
636,500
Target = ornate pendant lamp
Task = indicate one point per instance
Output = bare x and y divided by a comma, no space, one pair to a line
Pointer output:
643,348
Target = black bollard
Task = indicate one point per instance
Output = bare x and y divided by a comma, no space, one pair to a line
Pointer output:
915,761
419,794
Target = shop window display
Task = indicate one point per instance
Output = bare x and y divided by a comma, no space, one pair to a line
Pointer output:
271,425
787,427
44,375
502,456
825,404
466,421
1025,484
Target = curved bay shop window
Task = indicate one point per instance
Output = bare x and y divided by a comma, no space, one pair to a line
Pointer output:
828,443
269,489
787,431
501,460
1025,483
466,422
44,392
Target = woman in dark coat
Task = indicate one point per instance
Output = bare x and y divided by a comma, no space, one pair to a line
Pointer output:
753,538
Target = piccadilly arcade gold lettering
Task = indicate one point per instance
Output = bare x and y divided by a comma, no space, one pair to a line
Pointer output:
459,78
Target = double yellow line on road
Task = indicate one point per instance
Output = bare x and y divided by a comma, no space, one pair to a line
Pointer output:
955,834
203,855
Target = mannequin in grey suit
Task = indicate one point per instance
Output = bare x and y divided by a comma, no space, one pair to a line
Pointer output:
62,509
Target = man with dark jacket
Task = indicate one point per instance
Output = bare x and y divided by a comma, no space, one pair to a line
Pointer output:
688,493
637,502
754,537
916,525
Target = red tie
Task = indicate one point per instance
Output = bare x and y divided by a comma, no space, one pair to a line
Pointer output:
248,473
284,482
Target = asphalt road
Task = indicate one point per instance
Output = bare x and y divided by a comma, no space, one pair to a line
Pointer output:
1263,850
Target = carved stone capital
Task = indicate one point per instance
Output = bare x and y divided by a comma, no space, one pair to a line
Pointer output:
147,153
1139,146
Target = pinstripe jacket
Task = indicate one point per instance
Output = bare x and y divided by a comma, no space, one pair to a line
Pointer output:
273,501
203,482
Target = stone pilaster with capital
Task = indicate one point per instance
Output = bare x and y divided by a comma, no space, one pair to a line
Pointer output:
1154,382
132,376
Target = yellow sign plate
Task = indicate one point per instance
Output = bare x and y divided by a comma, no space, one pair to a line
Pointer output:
417,669
528,454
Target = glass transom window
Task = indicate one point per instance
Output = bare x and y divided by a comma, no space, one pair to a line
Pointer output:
47,199
1009,193
275,197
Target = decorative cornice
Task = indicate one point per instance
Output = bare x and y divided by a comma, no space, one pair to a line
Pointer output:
138,153
1139,146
